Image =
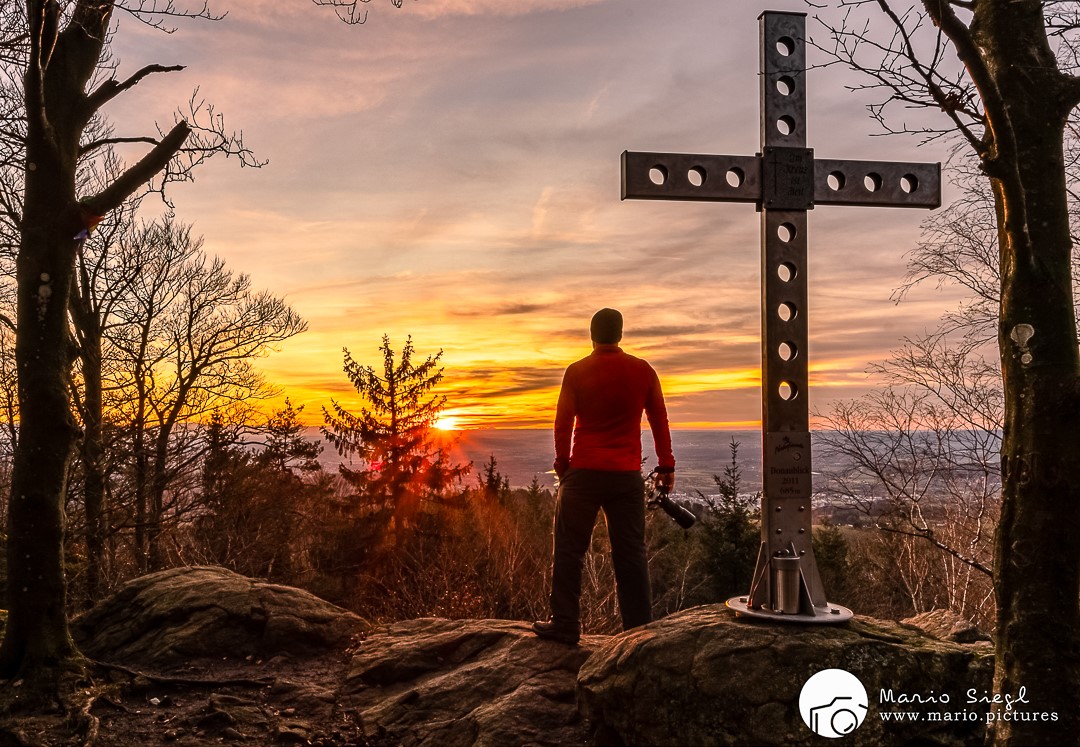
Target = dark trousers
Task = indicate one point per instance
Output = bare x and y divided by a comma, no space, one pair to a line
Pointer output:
582,493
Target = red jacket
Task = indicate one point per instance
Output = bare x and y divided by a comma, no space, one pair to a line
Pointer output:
605,393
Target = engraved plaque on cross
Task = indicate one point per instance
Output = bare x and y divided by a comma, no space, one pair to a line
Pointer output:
785,180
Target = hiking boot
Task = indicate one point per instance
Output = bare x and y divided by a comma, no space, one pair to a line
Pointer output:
553,631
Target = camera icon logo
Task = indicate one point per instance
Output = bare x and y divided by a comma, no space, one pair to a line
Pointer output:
833,703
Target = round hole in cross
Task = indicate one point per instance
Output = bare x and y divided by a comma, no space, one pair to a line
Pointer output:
735,177
785,125
785,85
785,45
696,176
872,182
787,311
836,181
909,183
788,390
658,175
786,272
787,350
786,232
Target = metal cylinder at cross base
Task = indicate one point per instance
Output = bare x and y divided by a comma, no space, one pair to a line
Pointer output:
787,579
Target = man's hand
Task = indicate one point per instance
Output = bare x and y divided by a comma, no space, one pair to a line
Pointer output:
665,480
560,467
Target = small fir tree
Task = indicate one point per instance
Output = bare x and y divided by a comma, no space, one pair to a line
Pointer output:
401,465
831,553
495,486
261,507
729,534
286,447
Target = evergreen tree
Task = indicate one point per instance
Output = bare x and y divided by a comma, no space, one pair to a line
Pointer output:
216,461
401,465
286,447
535,491
730,536
831,553
538,508
496,488
262,509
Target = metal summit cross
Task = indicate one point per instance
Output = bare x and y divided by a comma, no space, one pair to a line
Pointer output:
785,181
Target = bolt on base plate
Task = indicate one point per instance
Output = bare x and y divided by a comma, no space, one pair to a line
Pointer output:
830,614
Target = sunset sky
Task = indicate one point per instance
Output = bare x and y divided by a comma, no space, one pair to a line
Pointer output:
450,170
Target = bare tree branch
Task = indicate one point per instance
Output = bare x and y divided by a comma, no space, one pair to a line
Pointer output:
155,13
143,171
349,11
112,88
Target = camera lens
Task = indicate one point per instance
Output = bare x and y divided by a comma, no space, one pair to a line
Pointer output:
844,721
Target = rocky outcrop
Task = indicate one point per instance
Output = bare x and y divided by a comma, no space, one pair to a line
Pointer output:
280,666
418,682
467,682
705,677
170,617
948,626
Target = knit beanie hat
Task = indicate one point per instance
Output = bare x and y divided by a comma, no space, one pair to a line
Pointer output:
606,327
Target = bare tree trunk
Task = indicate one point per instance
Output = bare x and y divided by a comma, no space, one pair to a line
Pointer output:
91,445
159,482
141,487
1037,557
93,459
60,65
1012,106
37,635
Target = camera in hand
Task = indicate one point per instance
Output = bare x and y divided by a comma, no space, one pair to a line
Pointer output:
658,498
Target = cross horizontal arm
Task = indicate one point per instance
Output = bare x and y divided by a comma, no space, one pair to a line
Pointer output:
687,176
877,183
711,178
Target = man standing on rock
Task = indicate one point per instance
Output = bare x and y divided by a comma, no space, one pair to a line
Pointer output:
599,411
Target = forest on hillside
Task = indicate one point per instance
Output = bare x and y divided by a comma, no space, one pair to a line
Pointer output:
437,539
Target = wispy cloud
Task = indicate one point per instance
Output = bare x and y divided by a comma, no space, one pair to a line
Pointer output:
450,170
442,8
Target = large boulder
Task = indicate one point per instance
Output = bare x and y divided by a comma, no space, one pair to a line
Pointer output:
948,626
699,677
172,616
705,677
467,682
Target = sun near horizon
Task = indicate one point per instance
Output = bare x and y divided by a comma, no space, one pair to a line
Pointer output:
475,205
484,397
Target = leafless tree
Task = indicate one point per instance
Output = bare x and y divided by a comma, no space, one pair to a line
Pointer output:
989,71
922,466
64,44
351,11
99,286
184,337
56,82
56,79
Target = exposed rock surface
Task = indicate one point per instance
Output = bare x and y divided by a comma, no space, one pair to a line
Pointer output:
948,626
173,616
467,682
704,677
320,675
265,664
